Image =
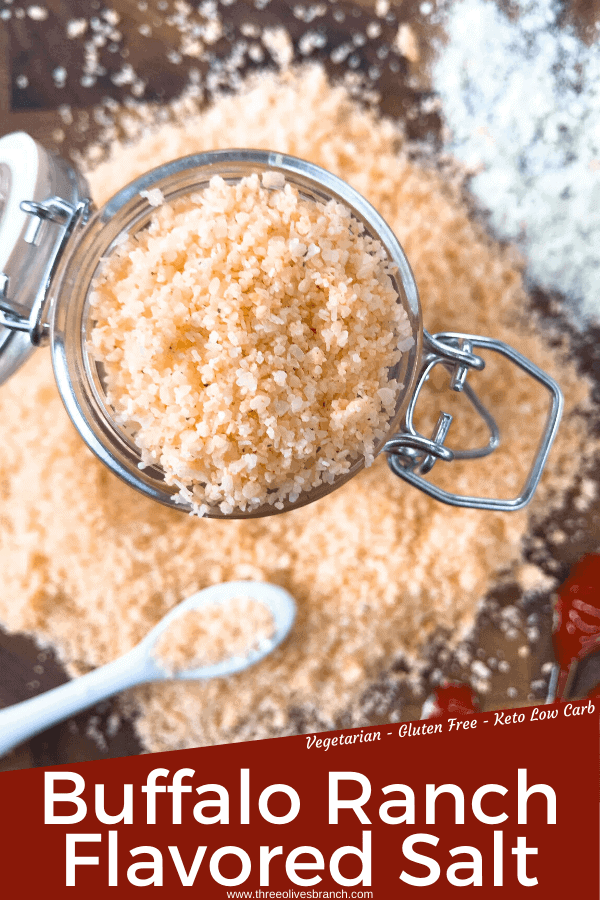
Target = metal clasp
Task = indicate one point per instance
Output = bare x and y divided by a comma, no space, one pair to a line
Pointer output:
14,315
411,455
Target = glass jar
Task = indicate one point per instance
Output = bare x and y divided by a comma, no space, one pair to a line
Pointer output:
53,247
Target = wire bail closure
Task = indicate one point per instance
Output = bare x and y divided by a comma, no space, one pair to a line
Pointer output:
411,455
64,216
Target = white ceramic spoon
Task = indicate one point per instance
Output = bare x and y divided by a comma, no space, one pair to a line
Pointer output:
23,720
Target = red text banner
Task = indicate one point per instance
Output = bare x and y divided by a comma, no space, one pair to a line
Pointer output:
495,801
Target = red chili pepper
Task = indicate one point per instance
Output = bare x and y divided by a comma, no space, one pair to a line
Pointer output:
450,699
577,617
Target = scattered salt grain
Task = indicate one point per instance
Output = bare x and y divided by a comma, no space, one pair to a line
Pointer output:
37,13
373,30
407,44
111,16
154,197
586,495
533,580
480,670
273,180
59,76
76,28
94,732
279,44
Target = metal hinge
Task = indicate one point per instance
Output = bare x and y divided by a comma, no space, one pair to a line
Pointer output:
56,210
411,455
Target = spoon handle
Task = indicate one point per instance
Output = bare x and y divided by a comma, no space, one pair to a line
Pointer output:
23,720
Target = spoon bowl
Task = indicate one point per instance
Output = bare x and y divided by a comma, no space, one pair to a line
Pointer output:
279,603
140,666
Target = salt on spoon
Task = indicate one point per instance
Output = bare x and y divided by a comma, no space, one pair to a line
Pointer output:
143,664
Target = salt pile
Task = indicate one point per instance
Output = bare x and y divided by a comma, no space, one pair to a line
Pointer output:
521,97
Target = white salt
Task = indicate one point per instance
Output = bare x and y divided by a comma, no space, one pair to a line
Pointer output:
521,97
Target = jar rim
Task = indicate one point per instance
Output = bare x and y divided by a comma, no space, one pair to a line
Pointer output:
129,211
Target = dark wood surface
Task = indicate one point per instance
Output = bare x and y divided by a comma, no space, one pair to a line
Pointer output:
34,50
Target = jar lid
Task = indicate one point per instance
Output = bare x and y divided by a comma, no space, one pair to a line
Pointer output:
39,197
